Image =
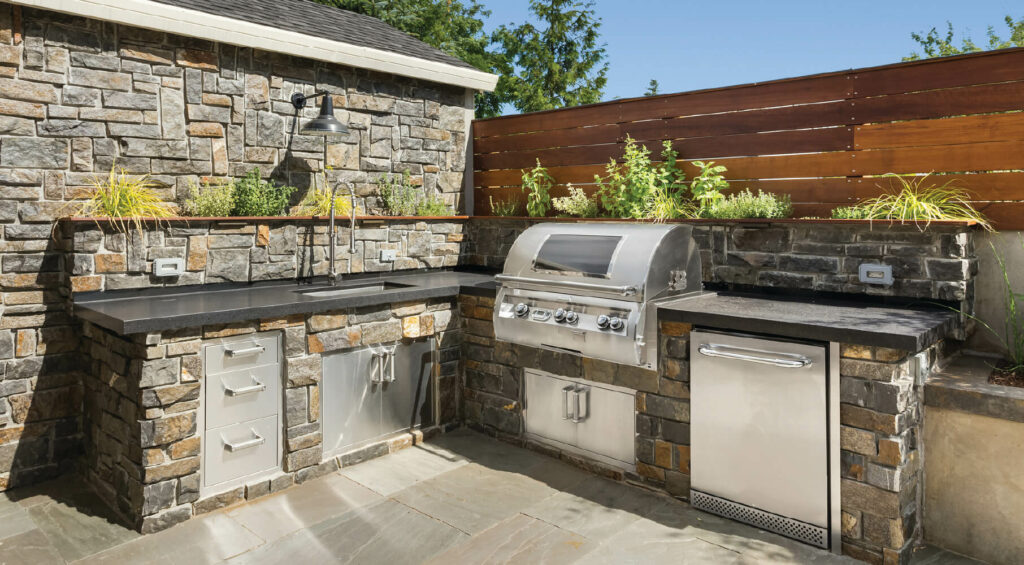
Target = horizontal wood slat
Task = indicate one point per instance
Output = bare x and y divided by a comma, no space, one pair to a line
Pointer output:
824,139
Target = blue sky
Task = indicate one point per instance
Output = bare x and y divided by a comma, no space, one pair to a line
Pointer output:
688,44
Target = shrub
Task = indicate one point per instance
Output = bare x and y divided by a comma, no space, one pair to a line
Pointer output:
850,213
400,198
433,205
745,204
209,200
911,199
125,199
577,204
257,197
707,186
507,207
637,188
537,185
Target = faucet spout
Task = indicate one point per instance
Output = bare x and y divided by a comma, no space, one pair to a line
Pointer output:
332,274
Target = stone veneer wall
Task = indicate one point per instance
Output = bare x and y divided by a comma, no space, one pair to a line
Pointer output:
937,263
880,417
78,95
142,441
233,251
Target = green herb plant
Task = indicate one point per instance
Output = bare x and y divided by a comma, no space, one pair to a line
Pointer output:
577,204
537,184
432,204
638,188
745,204
850,213
317,201
506,207
209,200
125,199
915,199
708,185
398,196
255,196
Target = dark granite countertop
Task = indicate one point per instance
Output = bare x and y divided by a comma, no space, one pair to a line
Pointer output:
168,308
822,319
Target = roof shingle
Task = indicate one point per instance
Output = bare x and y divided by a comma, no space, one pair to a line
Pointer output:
327,22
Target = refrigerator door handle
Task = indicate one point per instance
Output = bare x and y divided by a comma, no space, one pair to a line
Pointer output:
788,360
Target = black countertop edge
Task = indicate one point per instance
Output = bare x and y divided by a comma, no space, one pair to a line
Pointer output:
810,329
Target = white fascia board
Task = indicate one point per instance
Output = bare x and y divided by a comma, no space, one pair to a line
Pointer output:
180,21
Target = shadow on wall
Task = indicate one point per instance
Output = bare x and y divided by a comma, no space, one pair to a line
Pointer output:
991,289
41,393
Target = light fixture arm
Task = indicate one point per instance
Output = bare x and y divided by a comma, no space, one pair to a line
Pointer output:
299,100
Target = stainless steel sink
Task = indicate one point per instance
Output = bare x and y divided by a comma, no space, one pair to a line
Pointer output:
332,292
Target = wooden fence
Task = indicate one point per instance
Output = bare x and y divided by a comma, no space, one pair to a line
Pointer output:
824,139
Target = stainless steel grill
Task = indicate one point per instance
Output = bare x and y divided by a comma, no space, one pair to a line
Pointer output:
592,288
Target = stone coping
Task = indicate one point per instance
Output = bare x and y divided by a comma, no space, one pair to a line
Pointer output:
964,386
880,223
186,219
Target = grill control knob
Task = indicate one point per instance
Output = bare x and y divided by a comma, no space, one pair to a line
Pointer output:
560,315
602,321
522,309
615,324
572,317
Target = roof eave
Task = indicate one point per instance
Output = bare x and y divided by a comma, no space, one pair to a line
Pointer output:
192,23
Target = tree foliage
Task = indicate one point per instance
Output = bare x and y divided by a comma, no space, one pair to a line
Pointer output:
652,88
558,64
933,44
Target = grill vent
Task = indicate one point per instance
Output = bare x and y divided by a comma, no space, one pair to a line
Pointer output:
788,527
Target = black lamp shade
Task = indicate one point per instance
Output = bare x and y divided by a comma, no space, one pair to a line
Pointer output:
325,124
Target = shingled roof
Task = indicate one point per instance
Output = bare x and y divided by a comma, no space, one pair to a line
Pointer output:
326,22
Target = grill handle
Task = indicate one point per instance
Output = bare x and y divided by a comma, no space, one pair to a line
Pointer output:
624,290
788,360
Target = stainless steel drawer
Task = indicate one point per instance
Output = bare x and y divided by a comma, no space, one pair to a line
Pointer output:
242,353
240,450
242,395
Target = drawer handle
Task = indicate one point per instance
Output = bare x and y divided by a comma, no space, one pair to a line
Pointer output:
256,348
255,441
788,360
256,386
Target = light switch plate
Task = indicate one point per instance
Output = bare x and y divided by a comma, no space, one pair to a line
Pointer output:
873,273
168,267
387,254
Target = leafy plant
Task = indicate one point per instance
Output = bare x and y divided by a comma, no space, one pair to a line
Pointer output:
317,202
257,197
506,207
577,204
745,204
433,204
934,45
537,185
125,199
913,199
708,185
850,213
398,196
209,200
637,188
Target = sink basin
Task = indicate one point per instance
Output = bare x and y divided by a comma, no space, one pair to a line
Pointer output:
331,292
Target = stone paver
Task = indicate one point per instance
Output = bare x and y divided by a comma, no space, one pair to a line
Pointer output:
463,498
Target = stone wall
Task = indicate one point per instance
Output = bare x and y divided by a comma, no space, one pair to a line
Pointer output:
224,251
78,96
142,448
880,415
937,263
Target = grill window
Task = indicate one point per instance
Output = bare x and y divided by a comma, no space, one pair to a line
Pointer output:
587,255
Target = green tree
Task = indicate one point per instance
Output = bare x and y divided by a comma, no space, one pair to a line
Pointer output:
652,88
453,26
556,65
935,45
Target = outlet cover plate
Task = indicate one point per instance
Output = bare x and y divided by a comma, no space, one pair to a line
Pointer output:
874,273
387,254
168,267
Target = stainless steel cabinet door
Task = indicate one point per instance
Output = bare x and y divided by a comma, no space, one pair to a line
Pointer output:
350,399
758,423
608,423
406,399
547,408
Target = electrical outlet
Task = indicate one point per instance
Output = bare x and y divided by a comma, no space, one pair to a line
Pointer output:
873,273
167,267
387,254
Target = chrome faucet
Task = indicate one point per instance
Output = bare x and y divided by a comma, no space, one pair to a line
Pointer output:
332,274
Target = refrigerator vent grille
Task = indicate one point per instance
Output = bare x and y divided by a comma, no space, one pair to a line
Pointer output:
788,527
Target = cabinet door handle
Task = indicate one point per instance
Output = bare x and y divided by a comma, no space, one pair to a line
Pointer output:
255,348
566,415
377,371
580,396
256,386
255,441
